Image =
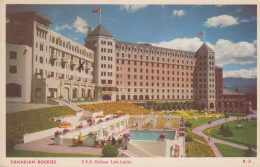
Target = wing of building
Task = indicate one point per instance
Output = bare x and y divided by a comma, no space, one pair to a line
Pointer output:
42,64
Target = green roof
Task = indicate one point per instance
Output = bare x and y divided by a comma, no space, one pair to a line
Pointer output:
100,31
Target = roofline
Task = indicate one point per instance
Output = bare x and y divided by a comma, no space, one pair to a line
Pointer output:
159,47
51,22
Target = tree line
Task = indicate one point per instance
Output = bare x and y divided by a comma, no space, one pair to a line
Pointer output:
187,105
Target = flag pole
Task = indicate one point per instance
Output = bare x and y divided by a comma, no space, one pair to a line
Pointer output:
100,14
204,35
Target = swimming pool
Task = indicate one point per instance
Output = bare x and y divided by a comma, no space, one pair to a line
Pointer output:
150,135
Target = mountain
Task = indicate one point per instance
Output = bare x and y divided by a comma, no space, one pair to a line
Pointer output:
246,85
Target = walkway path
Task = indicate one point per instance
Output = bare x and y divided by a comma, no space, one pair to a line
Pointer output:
199,130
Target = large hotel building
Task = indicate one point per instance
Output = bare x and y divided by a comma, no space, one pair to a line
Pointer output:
43,65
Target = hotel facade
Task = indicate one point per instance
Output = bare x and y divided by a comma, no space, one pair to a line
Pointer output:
44,65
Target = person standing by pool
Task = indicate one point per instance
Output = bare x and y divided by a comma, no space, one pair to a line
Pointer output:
103,142
120,141
109,140
113,141
80,138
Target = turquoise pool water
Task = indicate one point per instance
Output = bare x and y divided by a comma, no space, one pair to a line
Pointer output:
150,135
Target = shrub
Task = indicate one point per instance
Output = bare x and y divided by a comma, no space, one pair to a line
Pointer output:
188,124
249,152
110,151
10,143
188,137
225,131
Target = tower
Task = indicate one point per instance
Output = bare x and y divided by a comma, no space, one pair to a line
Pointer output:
205,83
103,44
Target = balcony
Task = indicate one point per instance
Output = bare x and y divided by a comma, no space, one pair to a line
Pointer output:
73,62
86,80
64,60
71,78
41,26
88,66
107,85
54,57
107,92
61,76
79,79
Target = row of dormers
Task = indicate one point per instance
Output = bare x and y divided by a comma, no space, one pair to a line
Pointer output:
149,49
70,45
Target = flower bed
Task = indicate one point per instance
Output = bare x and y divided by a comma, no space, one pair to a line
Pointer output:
198,147
65,125
114,107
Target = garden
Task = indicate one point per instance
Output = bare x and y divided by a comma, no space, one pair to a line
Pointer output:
113,107
228,151
19,123
196,118
187,105
244,136
197,146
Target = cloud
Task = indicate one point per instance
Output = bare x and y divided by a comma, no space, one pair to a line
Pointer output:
253,18
81,25
221,21
179,13
65,26
226,51
191,44
132,8
244,73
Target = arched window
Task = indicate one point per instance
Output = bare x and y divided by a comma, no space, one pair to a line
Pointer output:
13,90
211,105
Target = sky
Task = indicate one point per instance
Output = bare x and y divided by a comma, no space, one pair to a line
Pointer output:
230,30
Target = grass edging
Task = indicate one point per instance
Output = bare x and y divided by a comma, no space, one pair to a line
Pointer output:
22,153
229,151
224,139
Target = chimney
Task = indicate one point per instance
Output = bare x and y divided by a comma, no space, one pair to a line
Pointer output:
237,90
89,29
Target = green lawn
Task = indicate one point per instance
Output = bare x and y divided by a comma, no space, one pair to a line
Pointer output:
31,121
228,151
245,136
20,153
201,121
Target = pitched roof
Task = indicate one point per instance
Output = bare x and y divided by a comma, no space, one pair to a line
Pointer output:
30,13
205,48
149,46
229,92
218,67
100,30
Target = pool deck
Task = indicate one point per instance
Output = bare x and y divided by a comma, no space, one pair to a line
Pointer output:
47,145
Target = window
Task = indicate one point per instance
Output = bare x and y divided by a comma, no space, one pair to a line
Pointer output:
41,47
13,55
13,90
41,59
38,92
12,69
